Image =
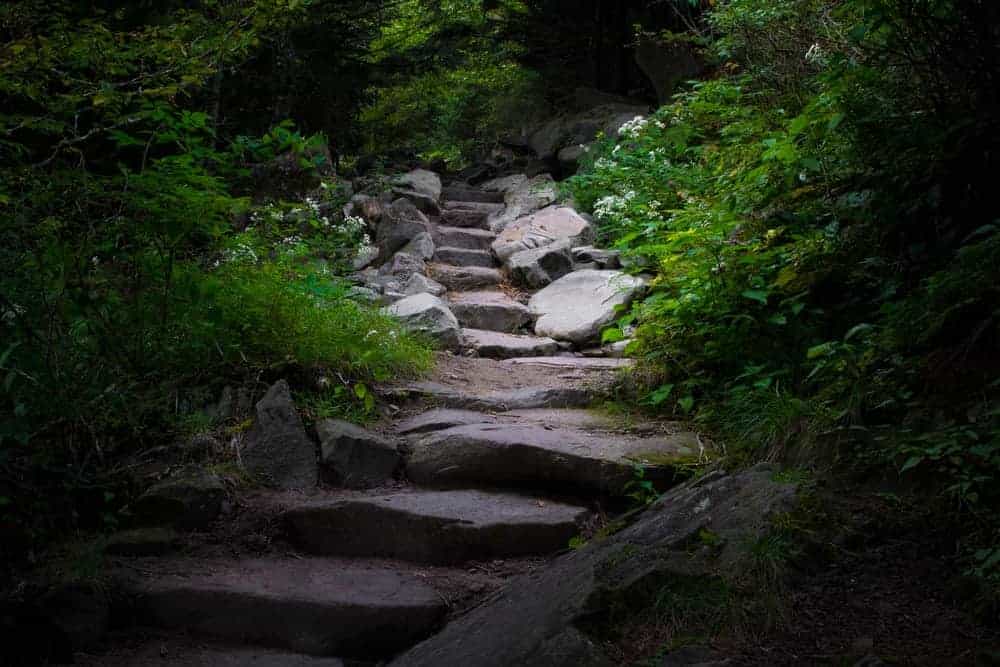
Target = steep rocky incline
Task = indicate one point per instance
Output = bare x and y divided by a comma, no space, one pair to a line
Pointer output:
368,541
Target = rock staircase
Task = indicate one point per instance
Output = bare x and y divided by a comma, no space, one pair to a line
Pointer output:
489,468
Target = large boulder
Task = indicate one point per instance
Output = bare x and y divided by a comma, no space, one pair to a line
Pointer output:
578,306
401,223
420,284
668,64
581,128
430,315
504,184
421,245
556,223
523,199
189,500
402,266
277,450
354,457
421,187
539,267
489,310
690,547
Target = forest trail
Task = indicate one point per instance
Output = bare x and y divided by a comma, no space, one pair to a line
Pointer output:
503,464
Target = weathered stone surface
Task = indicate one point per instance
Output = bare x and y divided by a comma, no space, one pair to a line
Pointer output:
420,284
574,362
312,606
539,267
439,527
556,223
190,500
463,278
459,193
578,306
277,449
570,156
490,311
524,199
401,223
581,128
354,457
428,314
514,399
534,622
402,266
604,259
541,457
442,418
183,652
464,257
457,237
365,256
668,63
504,184
420,246
497,345
149,541
421,187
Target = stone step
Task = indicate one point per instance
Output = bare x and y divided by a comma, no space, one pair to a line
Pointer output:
489,311
465,216
459,237
497,345
488,207
587,363
184,652
464,257
466,194
319,607
542,456
501,400
439,419
464,278
437,527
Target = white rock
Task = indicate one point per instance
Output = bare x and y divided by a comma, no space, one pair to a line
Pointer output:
578,306
556,223
428,314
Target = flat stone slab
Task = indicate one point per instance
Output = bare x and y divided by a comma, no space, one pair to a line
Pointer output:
574,362
538,456
456,193
312,606
464,257
464,278
578,306
514,399
552,224
439,419
442,418
182,652
497,345
439,527
458,237
471,218
489,311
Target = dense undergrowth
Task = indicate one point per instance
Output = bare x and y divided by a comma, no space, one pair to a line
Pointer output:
152,254
820,221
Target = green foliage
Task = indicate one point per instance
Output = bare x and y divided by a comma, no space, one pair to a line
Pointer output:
825,252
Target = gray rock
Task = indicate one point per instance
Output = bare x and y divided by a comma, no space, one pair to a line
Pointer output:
556,223
191,500
310,606
539,267
523,200
504,184
461,193
422,188
438,527
469,214
421,246
277,450
497,345
464,278
354,457
668,63
402,266
401,223
578,306
365,256
363,293
570,156
491,311
581,128
514,399
420,284
430,315
465,257
457,237
545,607
442,418
604,259
538,456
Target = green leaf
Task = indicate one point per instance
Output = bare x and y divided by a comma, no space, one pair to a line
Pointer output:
361,391
756,295
686,404
911,463
660,395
